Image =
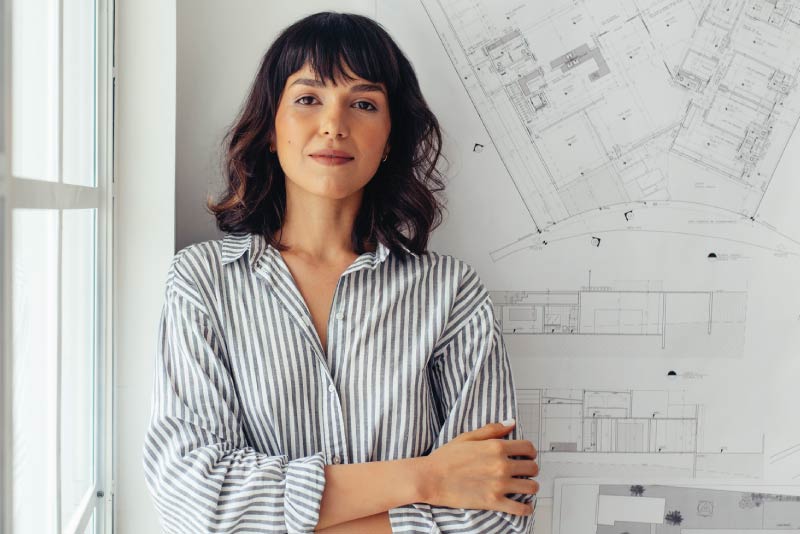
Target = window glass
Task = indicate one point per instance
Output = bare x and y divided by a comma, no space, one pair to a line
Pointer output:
3,90
90,526
34,91
78,316
33,381
79,92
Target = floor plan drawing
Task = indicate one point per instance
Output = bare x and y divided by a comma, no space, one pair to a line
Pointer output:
646,508
604,105
604,433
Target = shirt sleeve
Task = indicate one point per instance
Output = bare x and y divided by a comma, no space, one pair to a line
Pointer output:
199,467
471,381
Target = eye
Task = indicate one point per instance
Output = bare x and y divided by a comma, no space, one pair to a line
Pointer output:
303,98
371,107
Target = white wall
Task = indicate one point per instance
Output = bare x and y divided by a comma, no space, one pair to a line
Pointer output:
145,206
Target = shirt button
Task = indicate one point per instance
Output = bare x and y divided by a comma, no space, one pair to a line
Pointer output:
337,460
340,315
331,388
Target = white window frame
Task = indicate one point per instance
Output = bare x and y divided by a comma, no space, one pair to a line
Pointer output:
37,194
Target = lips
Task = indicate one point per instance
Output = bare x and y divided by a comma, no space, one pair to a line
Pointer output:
332,154
331,157
330,161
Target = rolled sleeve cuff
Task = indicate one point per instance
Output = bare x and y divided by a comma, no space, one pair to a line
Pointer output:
305,482
416,518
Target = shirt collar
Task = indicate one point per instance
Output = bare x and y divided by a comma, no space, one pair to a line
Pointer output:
234,247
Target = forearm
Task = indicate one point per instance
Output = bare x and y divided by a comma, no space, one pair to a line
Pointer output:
374,524
355,491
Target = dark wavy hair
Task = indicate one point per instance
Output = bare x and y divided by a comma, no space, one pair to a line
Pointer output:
400,206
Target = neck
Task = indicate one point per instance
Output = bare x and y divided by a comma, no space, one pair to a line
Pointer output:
319,229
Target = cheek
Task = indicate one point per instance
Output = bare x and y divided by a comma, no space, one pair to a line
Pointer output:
378,136
288,128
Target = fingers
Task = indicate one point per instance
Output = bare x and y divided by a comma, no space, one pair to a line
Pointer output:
527,468
491,430
520,447
523,486
513,507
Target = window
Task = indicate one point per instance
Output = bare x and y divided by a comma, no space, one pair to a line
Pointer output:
56,113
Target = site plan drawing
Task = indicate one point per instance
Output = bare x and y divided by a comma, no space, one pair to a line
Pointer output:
595,507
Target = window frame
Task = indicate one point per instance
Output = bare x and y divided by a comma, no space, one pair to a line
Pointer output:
39,194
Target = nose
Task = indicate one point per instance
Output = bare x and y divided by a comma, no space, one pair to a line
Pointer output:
333,122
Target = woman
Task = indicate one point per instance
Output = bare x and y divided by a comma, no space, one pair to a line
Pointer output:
318,369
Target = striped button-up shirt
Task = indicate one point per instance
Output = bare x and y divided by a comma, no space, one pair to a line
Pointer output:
248,408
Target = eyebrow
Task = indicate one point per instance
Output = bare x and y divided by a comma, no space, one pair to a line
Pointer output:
362,87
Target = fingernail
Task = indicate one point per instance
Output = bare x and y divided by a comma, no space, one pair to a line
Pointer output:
507,422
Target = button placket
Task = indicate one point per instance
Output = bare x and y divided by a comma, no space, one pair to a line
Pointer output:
337,439
337,295
338,304
340,284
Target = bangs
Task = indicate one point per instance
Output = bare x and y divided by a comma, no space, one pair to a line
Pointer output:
333,44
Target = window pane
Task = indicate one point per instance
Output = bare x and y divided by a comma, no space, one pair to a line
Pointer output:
90,525
77,359
33,382
34,92
2,87
79,92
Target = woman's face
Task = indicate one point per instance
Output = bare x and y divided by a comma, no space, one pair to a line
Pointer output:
314,118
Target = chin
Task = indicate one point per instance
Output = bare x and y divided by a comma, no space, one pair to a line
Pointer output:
335,188
330,187
333,193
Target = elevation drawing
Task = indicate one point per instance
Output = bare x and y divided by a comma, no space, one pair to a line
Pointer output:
590,433
711,323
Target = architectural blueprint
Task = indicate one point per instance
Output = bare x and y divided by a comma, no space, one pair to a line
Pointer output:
623,175
621,105
695,322
601,507
649,433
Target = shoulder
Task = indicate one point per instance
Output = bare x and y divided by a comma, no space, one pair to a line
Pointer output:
195,267
458,281
457,270
467,300
454,267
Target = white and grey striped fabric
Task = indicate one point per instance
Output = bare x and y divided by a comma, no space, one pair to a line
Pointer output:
248,409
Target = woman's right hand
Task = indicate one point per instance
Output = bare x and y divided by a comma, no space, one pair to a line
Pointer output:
474,471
